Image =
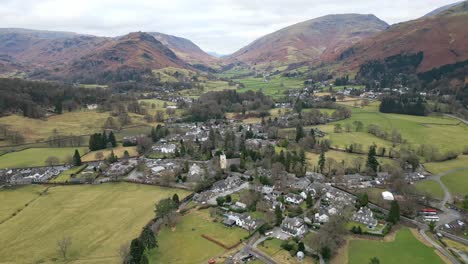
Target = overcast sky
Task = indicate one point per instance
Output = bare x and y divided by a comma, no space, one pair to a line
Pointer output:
222,26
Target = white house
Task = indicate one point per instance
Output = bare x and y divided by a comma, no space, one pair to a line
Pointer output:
294,226
294,199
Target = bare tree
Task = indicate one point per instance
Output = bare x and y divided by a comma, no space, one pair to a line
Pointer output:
124,252
52,161
64,246
99,155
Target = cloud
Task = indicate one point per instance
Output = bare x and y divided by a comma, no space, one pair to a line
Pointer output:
216,25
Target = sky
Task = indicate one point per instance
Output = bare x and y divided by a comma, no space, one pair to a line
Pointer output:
221,26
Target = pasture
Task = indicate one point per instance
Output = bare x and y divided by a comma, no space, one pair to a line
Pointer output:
430,186
439,167
66,175
118,151
457,182
184,244
275,87
405,249
348,158
15,198
98,218
35,157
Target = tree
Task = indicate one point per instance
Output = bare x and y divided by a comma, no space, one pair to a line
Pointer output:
228,198
99,155
337,128
301,247
432,226
465,202
165,207
372,161
309,200
112,157
112,140
52,161
374,260
394,213
124,252
363,200
148,239
278,215
358,125
175,198
321,161
299,132
137,249
76,158
64,245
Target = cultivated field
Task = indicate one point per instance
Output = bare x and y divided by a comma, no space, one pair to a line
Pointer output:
98,218
405,249
185,245
35,157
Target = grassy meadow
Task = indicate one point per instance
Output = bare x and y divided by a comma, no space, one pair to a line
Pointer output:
439,167
15,198
118,151
98,218
430,186
405,249
187,238
272,247
35,157
457,182
275,87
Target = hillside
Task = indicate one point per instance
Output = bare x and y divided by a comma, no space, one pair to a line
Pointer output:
320,39
442,9
134,53
442,38
185,49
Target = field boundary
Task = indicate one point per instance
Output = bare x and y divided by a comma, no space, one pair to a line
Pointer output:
219,243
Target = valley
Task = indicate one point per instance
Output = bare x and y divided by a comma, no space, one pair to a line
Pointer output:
340,139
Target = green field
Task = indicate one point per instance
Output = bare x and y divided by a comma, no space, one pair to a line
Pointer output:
66,175
275,87
272,247
405,249
344,156
34,157
443,132
14,199
439,167
98,218
191,246
457,182
235,71
118,151
430,186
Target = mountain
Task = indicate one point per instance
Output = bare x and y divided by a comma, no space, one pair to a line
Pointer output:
320,39
185,49
58,55
441,9
132,53
442,39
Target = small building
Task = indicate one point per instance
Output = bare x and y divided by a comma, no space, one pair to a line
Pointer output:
387,196
294,199
294,226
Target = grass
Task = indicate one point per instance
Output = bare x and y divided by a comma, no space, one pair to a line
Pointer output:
15,198
347,157
457,182
118,151
272,247
66,175
274,88
405,249
439,167
191,246
35,157
430,186
98,218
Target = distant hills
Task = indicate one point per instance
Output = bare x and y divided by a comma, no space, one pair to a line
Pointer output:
342,41
320,39
442,37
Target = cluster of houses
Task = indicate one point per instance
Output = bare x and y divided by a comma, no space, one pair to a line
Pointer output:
32,175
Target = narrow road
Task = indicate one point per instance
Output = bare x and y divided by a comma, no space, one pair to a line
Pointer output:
438,247
458,118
